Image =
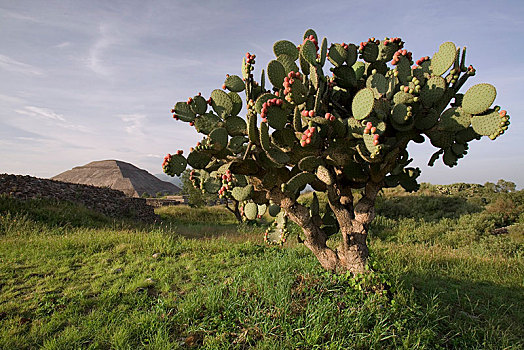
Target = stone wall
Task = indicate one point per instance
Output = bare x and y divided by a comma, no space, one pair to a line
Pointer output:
110,202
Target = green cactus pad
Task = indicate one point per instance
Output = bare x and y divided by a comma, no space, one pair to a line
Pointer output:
198,160
323,52
362,104
299,91
490,123
198,105
261,100
183,112
276,117
444,58
315,76
309,32
242,193
441,139
251,211
479,98
324,175
276,73
407,126
212,185
221,103
297,120
309,163
345,76
252,130
370,52
288,63
236,144
359,68
459,149
403,97
368,142
285,47
273,210
235,83
337,55
277,156
352,54
467,135
176,165
309,52
314,209
237,102
428,120
433,90
298,181
262,208
284,138
454,119
236,126
378,83
404,70
218,138
399,114
204,124
304,65
449,158
265,141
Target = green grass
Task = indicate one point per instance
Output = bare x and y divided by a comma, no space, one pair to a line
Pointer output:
199,281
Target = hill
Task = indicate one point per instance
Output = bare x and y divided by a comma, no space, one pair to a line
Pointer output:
118,175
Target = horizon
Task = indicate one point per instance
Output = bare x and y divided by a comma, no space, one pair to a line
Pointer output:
83,82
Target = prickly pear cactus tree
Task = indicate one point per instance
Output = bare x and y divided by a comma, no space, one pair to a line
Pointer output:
339,132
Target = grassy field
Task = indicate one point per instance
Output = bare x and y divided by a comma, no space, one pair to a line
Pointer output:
74,279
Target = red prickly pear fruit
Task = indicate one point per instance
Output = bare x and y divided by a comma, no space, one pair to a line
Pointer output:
180,152
191,149
332,118
308,141
279,102
406,88
224,87
375,137
304,113
375,142
277,93
191,123
369,125
373,130
366,131
303,143
503,113
304,137
311,113
189,100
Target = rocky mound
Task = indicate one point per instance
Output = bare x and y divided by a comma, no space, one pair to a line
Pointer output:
119,176
107,201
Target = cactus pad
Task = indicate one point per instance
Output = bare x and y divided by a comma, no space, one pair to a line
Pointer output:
221,103
234,83
276,73
204,124
261,100
242,193
345,76
428,120
285,47
444,58
362,104
212,185
277,156
198,105
454,119
273,210
298,182
236,126
183,112
360,69
492,123
400,114
309,163
236,144
337,55
218,138
176,165
378,83
309,52
479,98
288,63
198,160
370,52
251,211
324,175
404,97
433,90
237,102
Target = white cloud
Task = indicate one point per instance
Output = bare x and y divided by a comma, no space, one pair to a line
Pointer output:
38,112
15,66
62,45
95,60
135,123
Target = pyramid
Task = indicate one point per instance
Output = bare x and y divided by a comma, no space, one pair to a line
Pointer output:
117,175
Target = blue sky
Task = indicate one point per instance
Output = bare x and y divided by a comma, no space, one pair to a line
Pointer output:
92,80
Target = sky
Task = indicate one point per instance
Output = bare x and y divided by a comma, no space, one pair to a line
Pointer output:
90,80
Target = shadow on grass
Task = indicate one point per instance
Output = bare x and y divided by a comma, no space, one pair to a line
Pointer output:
471,306
429,208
